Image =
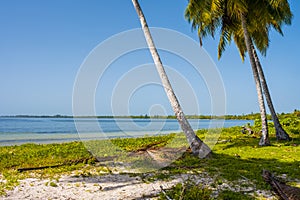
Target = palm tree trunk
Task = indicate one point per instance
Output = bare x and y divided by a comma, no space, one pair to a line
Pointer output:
199,148
265,135
280,132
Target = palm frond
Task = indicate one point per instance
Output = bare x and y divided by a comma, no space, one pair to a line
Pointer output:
225,38
208,16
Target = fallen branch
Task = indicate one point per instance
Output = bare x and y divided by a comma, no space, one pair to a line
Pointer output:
284,191
68,162
149,146
250,131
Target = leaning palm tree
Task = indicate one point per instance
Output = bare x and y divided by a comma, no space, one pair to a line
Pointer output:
249,46
280,13
239,20
275,13
281,134
207,16
198,147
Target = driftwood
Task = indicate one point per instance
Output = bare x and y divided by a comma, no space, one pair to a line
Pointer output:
37,168
250,131
69,162
284,191
149,146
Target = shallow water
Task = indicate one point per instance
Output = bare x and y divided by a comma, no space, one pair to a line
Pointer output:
14,131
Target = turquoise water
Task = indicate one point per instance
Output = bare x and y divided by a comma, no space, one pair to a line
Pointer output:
14,131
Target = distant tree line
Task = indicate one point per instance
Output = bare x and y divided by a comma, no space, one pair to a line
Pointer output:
251,116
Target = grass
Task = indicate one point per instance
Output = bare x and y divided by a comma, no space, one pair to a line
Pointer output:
236,157
187,191
241,157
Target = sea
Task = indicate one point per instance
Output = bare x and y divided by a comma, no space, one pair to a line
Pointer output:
42,130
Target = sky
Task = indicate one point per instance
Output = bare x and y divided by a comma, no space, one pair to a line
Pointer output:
44,44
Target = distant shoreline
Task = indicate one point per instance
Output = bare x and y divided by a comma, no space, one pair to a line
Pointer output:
251,116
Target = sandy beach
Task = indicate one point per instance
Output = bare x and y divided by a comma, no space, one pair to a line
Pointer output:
113,187
110,186
101,187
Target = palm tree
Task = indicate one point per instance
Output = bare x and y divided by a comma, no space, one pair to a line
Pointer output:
280,13
199,148
207,16
280,132
258,16
265,136
275,14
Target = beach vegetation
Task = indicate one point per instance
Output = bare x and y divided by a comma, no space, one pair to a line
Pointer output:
53,184
186,191
237,158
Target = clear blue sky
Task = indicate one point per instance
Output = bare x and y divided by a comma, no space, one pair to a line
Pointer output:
43,44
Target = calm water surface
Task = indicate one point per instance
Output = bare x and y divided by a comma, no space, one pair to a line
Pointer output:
14,131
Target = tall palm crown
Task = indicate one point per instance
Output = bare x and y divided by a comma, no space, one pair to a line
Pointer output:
207,16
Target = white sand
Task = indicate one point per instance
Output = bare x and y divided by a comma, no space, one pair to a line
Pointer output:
99,187
110,186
